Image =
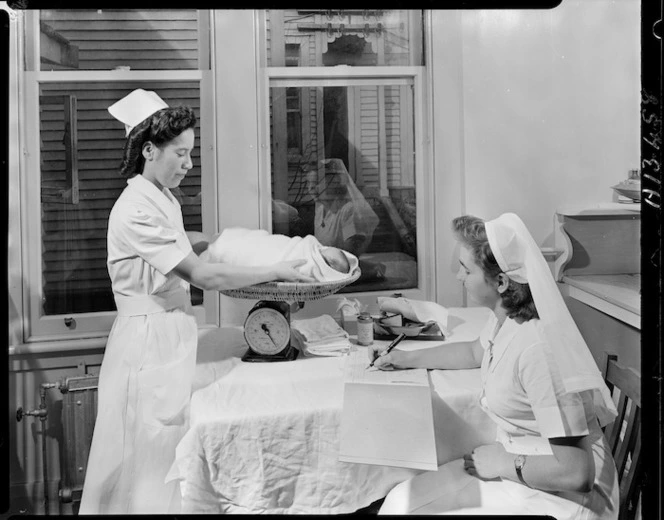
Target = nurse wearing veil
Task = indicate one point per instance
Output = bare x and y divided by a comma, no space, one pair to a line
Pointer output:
343,218
540,385
146,375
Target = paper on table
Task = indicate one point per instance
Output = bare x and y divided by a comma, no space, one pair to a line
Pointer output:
356,371
387,418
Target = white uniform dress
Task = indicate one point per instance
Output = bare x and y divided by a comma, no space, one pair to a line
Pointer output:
524,397
333,226
147,370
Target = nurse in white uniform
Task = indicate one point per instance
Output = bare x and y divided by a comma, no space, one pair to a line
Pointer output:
146,374
343,218
540,385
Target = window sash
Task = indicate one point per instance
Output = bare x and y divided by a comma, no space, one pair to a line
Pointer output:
358,76
38,327
343,73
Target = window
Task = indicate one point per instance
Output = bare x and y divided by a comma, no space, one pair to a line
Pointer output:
357,181
293,121
78,62
357,37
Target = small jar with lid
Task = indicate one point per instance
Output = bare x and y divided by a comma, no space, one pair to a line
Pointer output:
365,331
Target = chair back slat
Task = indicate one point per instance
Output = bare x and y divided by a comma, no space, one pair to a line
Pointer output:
624,434
614,430
629,483
627,379
627,439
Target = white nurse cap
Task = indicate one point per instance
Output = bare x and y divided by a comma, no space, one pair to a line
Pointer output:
136,107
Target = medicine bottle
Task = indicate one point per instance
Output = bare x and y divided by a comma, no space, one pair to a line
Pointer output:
365,330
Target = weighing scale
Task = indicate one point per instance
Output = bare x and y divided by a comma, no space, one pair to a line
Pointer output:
267,327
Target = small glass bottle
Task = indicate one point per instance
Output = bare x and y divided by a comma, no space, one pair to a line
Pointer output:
365,330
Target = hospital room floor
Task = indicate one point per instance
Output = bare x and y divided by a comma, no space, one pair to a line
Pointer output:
371,509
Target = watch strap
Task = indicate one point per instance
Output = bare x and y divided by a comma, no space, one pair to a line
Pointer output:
519,463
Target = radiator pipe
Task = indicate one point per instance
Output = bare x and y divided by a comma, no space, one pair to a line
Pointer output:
43,413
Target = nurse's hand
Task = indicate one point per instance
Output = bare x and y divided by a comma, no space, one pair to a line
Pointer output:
395,359
487,462
287,272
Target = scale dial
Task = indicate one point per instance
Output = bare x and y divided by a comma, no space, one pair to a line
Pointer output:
267,330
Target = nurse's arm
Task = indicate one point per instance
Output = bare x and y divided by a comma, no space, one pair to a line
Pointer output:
199,241
220,276
354,244
465,354
569,468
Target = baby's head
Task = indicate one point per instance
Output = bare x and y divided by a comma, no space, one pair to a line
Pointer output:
336,259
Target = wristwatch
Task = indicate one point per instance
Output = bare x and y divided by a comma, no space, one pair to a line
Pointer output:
519,463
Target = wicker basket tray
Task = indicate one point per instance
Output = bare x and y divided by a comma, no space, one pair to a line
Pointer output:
291,291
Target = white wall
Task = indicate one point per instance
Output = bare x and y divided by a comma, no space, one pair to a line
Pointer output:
549,109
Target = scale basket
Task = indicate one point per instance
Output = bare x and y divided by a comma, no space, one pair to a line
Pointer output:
291,291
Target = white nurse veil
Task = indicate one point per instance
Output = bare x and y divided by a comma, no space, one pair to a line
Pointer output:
366,219
520,258
136,107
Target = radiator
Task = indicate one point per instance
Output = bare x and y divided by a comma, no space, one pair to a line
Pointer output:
79,411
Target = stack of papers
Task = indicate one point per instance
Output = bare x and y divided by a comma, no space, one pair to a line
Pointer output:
320,336
387,416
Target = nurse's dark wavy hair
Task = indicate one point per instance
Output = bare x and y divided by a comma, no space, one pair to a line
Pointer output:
516,299
160,128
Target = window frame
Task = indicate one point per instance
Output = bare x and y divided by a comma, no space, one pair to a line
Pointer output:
424,187
36,326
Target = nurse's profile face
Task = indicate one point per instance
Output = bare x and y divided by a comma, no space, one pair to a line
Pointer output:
481,291
311,183
167,165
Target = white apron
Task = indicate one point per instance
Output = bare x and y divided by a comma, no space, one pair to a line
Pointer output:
146,374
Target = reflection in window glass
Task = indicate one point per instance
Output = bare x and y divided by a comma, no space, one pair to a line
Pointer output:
294,120
105,39
353,184
81,151
358,37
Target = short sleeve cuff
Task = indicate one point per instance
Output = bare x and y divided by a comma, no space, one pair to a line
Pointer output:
172,255
561,421
349,230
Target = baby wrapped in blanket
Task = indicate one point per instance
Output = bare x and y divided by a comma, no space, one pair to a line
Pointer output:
255,247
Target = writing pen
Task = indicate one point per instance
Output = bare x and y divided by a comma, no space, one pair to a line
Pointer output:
389,348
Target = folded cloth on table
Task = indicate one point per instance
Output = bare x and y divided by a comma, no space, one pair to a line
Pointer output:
416,310
338,348
320,336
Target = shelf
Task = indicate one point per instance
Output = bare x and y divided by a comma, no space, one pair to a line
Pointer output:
618,295
601,209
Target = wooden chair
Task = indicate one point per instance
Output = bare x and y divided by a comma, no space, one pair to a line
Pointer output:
624,433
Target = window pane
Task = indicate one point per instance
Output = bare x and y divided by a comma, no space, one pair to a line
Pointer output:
81,151
360,37
96,39
353,184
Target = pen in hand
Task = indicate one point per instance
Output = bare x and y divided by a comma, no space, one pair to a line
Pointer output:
389,348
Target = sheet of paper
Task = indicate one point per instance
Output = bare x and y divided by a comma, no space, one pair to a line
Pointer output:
357,370
387,418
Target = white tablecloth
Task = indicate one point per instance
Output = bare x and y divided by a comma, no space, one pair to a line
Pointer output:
264,437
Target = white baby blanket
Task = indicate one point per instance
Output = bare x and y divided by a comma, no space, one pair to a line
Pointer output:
257,247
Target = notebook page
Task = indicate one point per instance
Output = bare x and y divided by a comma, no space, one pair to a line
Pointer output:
356,371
